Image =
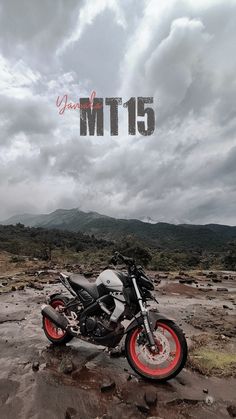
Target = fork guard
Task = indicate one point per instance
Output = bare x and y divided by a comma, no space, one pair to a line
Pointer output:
153,317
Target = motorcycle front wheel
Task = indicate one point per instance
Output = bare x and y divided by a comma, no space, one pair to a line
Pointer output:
169,358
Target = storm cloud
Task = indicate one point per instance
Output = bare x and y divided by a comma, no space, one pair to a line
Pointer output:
180,52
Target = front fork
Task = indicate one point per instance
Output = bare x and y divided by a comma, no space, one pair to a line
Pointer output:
144,313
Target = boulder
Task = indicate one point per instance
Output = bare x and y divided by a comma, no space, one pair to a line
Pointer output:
71,413
66,366
187,281
35,285
143,407
150,398
35,366
212,275
107,385
209,400
232,410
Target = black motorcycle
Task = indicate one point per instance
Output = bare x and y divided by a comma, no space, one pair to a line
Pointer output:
155,346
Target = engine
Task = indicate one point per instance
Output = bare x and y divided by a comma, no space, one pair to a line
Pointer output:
99,326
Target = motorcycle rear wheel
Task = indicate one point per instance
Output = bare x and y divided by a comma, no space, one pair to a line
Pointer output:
56,335
170,358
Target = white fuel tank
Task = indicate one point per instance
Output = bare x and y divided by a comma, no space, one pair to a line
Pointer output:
109,278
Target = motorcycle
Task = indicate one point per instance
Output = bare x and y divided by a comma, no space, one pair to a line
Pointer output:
155,346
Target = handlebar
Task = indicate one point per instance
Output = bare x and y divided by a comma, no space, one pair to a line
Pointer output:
133,270
128,261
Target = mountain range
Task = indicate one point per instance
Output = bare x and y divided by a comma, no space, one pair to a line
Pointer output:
161,235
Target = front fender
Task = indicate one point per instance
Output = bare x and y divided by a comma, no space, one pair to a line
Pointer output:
153,316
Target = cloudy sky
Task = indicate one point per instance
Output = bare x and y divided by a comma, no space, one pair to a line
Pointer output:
181,52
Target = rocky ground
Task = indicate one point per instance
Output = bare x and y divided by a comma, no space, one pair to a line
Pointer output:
84,381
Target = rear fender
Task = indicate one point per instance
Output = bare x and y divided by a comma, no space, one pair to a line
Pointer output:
153,316
51,296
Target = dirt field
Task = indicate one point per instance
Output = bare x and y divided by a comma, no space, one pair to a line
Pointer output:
83,381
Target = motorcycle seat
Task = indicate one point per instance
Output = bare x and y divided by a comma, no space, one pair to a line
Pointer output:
79,282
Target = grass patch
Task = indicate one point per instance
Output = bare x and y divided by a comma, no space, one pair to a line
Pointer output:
211,361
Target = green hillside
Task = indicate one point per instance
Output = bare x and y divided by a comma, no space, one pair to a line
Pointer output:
210,237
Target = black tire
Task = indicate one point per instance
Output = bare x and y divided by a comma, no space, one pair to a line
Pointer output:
182,355
66,337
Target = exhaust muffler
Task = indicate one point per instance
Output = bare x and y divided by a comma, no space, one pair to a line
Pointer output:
58,319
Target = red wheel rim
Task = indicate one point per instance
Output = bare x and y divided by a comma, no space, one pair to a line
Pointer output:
156,371
52,330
